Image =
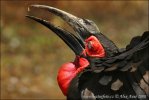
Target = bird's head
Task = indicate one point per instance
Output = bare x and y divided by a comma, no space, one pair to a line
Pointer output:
84,44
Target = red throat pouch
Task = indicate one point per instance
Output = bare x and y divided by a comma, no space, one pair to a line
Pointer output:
68,71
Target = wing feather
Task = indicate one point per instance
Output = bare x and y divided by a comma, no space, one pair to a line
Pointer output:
130,68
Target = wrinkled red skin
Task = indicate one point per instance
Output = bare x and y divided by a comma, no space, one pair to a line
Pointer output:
69,70
96,50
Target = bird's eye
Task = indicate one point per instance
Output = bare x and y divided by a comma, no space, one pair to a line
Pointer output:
89,45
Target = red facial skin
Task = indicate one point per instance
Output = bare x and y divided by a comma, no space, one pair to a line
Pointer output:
94,48
68,71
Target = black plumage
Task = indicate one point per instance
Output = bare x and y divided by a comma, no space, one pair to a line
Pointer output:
129,67
121,74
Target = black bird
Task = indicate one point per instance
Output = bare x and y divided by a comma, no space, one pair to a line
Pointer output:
100,69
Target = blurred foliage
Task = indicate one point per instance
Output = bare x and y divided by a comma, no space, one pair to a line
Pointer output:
31,54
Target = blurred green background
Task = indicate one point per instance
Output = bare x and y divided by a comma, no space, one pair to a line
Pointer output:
31,54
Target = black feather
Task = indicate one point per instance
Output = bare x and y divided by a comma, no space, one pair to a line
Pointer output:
129,67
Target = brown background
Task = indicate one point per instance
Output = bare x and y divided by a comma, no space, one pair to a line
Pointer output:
31,54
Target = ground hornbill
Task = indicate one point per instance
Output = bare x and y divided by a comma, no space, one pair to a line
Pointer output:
100,69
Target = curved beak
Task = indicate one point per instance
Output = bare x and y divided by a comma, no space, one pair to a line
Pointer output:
83,27
71,40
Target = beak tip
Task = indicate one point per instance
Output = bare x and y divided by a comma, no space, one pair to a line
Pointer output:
31,17
29,7
40,6
34,5
27,16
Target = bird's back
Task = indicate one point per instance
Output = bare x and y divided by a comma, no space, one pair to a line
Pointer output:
125,76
